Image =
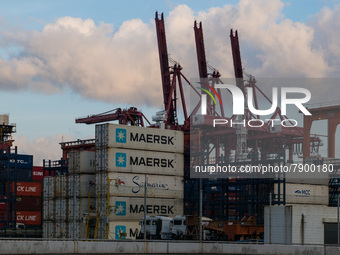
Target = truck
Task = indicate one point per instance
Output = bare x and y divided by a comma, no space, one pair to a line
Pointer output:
186,227
157,227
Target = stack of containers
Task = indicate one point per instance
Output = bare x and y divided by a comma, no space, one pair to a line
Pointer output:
81,193
129,158
28,203
48,207
66,198
60,184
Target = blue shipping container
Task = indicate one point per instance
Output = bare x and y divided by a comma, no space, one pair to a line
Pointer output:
22,161
20,175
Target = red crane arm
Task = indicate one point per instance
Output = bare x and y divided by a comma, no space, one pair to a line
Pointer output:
202,62
165,70
235,48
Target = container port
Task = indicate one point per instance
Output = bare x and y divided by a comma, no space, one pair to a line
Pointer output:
204,176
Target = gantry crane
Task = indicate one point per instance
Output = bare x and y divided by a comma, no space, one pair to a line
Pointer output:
126,116
260,143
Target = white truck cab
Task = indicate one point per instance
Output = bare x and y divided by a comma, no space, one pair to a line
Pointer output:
178,227
157,227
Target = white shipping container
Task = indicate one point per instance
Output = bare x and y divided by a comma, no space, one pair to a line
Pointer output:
79,210
304,193
4,119
48,229
61,229
316,177
152,139
123,230
101,184
60,209
158,186
60,186
48,210
80,162
83,184
48,191
128,208
139,161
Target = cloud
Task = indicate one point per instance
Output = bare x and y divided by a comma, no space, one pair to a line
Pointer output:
122,67
95,62
41,148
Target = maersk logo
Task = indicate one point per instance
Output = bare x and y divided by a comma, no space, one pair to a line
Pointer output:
120,229
120,208
120,159
120,135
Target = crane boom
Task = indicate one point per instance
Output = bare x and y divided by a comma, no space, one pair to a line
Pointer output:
235,48
202,62
165,70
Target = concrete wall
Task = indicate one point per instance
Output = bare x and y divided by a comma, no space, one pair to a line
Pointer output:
313,223
300,225
117,247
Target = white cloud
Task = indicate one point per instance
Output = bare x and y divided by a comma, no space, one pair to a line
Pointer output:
47,148
122,66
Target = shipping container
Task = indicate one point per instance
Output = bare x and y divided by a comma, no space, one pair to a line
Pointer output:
38,173
316,177
29,217
3,204
27,188
83,184
61,209
158,186
22,161
78,209
19,174
28,203
4,119
48,187
49,210
61,228
139,161
140,138
124,230
304,193
81,162
48,229
60,186
128,208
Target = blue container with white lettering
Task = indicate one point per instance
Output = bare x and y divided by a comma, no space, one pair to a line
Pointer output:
20,161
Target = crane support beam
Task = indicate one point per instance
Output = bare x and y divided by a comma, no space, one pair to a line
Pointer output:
201,59
235,49
165,70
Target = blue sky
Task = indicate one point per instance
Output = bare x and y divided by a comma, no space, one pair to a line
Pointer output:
45,115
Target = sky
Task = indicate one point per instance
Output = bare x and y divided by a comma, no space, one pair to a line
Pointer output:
60,60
